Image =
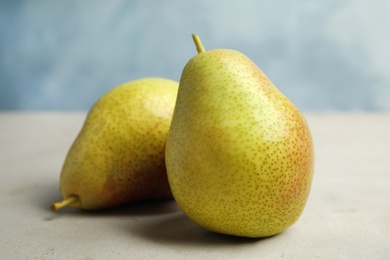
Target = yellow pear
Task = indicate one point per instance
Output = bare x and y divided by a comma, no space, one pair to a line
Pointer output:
119,154
239,154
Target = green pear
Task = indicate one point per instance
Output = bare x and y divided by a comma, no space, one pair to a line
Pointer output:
239,154
119,155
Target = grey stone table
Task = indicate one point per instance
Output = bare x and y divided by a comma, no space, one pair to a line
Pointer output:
347,215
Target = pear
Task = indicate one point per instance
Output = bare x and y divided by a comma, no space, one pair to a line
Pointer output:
239,154
119,155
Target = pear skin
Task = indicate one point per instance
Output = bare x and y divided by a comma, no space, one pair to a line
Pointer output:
239,154
119,155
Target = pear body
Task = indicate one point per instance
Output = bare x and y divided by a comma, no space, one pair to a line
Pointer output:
239,154
118,156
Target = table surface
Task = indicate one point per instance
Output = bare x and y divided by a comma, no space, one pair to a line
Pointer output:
347,215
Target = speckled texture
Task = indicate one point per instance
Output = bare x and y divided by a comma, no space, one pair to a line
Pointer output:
118,156
239,154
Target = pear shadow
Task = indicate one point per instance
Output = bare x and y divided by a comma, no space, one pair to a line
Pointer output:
136,209
45,195
177,229
160,221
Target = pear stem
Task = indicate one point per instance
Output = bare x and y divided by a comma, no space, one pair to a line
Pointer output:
198,43
59,205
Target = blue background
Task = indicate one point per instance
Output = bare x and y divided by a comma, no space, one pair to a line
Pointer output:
63,55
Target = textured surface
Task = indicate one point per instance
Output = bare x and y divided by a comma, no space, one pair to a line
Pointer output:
347,215
121,146
239,154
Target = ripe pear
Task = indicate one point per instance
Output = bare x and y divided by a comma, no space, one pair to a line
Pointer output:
239,154
119,155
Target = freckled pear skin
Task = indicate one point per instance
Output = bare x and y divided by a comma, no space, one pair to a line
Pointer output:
119,154
239,154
